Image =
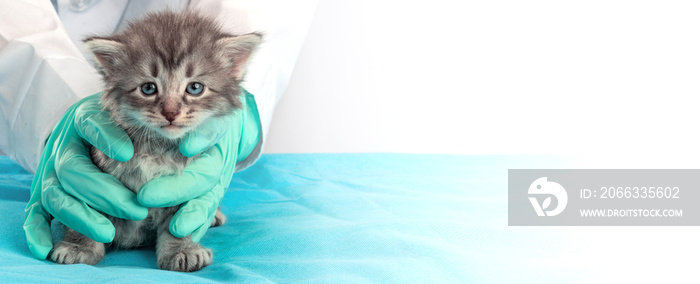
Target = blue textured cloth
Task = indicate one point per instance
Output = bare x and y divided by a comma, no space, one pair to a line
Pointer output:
331,218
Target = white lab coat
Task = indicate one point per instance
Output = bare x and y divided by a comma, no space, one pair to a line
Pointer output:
44,70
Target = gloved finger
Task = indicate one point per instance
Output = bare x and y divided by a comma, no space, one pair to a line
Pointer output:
199,233
195,213
96,127
37,230
76,214
204,137
37,221
80,178
198,178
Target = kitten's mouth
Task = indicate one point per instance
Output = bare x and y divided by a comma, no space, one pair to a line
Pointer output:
172,131
171,126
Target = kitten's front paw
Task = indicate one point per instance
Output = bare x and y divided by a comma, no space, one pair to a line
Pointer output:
219,219
70,253
188,259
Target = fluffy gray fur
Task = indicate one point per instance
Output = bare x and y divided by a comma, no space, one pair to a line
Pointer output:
171,50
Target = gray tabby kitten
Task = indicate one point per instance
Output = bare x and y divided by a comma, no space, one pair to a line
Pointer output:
164,76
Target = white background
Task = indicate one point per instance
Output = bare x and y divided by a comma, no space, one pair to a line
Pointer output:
496,77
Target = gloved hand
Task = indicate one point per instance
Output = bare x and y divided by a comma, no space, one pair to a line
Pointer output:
68,186
233,137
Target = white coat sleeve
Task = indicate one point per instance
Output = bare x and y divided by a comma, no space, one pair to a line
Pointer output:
284,25
42,73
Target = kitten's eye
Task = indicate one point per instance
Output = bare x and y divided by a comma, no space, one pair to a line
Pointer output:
149,88
195,88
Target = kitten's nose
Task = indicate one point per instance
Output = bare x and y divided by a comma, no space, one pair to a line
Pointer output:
170,115
170,109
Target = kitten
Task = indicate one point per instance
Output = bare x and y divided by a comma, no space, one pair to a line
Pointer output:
164,75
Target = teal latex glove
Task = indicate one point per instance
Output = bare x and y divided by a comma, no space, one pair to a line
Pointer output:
68,186
202,184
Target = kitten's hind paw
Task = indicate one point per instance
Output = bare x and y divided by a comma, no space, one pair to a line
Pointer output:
188,259
219,219
71,253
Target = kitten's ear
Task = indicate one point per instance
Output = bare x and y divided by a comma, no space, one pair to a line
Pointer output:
238,50
107,53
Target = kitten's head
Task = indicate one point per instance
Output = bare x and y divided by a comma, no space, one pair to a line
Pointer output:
170,72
